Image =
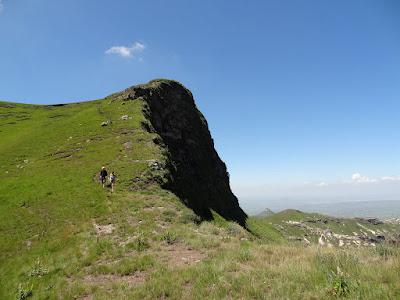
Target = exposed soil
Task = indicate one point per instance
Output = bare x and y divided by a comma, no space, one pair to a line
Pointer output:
103,279
104,229
178,255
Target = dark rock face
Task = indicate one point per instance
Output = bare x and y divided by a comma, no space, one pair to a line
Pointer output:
196,173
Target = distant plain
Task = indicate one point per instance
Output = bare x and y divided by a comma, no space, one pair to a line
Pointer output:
383,209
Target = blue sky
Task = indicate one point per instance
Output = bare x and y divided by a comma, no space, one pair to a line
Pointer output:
296,93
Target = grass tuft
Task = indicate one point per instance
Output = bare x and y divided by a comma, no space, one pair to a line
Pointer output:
24,291
169,237
38,269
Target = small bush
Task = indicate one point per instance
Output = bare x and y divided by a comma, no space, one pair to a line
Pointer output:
24,291
169,237
340,283
38,270
338,266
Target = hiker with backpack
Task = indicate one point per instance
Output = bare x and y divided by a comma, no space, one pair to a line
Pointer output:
113,178
103,175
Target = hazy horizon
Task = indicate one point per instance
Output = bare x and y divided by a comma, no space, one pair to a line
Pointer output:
324,197
382,209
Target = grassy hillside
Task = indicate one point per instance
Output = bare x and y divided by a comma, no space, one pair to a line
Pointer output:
65,237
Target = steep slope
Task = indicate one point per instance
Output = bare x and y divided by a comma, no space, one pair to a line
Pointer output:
196,173
49,200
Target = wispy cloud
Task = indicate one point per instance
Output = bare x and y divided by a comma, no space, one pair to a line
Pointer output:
126,51
357,177
1,6
391,178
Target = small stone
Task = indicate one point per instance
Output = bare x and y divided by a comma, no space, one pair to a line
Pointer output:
128,145
124,117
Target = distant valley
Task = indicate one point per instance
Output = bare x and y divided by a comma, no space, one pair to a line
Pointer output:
384,209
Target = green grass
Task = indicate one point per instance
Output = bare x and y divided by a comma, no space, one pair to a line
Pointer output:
65,237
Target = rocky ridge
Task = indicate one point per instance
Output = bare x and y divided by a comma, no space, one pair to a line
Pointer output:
192,168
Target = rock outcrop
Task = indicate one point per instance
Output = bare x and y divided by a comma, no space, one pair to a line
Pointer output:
196,174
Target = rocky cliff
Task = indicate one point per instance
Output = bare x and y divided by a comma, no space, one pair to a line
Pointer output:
195,174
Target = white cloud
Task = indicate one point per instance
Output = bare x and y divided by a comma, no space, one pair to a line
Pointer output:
124,51
391,178
1,6
357,177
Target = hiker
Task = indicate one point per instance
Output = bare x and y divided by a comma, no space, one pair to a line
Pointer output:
113,178
103,175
